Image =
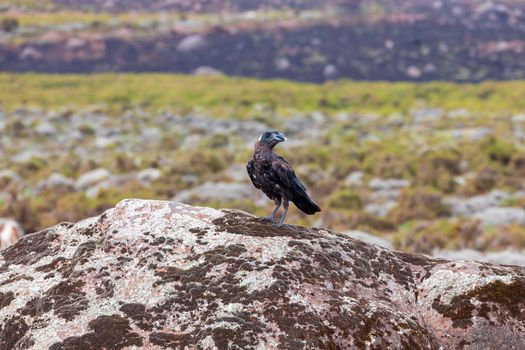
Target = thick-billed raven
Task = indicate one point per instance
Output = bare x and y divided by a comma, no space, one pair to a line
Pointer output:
275,177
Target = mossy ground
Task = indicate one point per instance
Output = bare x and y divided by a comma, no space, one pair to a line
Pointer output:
346,127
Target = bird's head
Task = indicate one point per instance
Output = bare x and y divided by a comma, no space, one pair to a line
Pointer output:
271,138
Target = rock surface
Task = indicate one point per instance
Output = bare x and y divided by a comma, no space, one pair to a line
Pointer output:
158,274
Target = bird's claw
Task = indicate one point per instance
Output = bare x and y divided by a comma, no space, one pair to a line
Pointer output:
268,218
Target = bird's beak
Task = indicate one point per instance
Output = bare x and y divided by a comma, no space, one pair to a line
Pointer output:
280,137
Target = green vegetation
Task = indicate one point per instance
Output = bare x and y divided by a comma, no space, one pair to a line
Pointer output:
243,97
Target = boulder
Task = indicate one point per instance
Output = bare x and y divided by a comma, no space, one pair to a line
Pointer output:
158,274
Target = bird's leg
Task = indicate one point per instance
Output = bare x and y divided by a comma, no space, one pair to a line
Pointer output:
285,206
277,206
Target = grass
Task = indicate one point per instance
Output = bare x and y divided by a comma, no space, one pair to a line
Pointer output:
37,19
244,97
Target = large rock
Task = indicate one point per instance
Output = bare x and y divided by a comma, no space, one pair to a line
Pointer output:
157,274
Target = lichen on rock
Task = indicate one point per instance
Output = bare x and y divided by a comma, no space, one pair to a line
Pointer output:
160,275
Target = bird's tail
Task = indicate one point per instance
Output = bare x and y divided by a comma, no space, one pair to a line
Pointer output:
306,204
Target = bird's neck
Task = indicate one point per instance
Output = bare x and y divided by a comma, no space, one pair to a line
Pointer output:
262,148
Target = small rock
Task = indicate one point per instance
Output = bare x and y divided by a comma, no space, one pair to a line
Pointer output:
56,181
105,142
472,134
114,181
28,156
151,135
387,184
426,115
10,175
206,71
91,178
46,128
10,232
75,43
382,195
470,206
30,53
380,209
506,258
282,64
503,258
192,43
355,178
149,175
330,71
501,216
414,72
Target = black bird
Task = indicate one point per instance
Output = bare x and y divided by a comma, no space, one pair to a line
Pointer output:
275,177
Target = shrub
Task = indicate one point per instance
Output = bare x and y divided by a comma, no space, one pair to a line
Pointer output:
424,236
485,180
498,151
345,199
437,169
419,203
508,237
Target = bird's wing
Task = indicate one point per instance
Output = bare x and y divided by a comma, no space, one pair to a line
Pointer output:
281,173
250,168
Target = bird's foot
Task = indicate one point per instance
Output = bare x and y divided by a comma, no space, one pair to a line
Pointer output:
269,219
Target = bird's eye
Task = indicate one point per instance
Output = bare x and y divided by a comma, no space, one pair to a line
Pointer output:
267,134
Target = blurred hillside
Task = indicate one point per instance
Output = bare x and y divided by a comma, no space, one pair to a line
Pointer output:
458,40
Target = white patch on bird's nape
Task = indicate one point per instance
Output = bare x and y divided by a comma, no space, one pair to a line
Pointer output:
260,137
